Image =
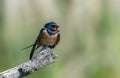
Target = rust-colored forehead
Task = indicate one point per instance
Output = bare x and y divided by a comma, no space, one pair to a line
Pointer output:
56,25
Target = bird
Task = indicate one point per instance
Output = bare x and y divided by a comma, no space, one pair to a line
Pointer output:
48,36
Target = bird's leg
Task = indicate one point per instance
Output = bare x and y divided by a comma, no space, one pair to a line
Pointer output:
44,47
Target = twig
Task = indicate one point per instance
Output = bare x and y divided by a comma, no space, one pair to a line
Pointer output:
43,58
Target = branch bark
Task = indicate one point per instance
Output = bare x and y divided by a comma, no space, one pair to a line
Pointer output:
43,58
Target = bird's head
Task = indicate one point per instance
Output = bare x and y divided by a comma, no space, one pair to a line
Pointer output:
51,26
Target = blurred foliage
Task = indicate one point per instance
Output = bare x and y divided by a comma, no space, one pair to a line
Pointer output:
90,36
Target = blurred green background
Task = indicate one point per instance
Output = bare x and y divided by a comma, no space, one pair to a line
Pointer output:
90,36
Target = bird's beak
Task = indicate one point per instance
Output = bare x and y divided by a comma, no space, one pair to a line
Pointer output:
57,26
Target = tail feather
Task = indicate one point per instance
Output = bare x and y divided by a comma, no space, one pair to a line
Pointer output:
33,49
27,47
31,54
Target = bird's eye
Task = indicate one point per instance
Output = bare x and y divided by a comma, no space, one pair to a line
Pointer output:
53,26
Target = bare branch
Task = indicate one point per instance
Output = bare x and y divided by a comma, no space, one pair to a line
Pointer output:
43,58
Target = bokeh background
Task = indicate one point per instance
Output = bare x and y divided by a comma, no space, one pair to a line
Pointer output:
90,36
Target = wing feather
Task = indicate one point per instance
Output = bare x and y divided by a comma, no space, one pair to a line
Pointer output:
35,45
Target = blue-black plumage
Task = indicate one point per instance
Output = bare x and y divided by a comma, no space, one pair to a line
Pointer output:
49,36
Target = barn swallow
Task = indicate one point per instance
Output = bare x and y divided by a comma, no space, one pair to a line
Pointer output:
49,36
